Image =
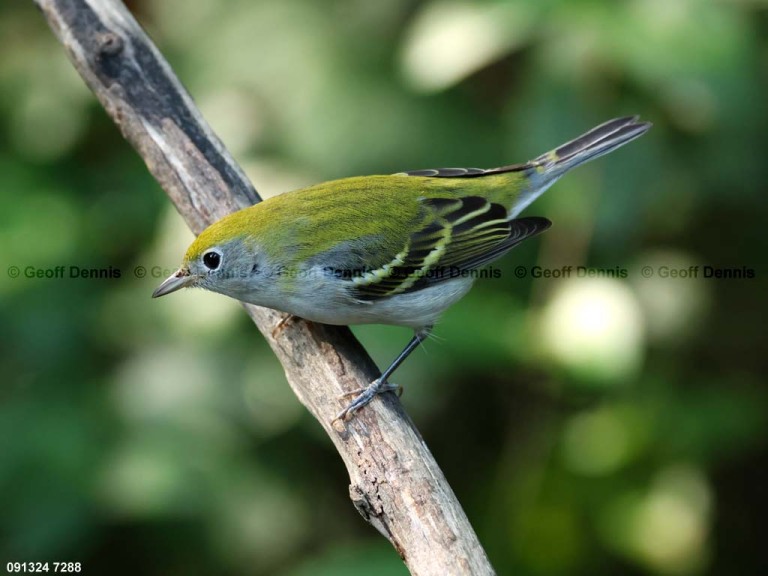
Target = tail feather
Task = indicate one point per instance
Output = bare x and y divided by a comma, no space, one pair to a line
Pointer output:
544,170
547,168
597,142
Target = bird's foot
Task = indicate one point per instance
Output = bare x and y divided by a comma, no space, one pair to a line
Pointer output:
364,395
284,321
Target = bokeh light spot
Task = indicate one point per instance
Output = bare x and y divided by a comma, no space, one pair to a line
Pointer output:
594,326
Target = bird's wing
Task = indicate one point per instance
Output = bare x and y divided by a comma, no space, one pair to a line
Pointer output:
455,234
447,172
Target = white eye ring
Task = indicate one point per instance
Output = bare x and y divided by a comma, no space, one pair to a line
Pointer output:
212,259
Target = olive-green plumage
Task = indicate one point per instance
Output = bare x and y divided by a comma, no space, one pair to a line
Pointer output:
314,219
386,210
382,249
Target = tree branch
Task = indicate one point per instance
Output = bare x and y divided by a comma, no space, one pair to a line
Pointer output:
396,484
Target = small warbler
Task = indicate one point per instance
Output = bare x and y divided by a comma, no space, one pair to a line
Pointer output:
395,249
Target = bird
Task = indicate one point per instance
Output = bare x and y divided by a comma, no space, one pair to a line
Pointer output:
394,249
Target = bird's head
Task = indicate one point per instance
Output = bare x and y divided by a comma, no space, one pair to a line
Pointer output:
226,258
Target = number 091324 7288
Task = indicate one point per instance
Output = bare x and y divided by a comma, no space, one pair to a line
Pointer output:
43,567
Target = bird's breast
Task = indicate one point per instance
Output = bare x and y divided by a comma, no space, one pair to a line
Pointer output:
333,304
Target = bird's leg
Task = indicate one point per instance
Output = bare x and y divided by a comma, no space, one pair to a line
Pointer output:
381,384
282,323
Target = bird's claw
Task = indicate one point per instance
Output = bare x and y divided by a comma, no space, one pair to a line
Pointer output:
285,320
387,387
363,396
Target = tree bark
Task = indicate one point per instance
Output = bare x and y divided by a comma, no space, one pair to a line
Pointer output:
396,485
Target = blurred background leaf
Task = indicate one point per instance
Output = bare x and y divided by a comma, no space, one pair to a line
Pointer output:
602,425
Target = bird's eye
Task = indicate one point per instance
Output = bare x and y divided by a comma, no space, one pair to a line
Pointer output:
212,260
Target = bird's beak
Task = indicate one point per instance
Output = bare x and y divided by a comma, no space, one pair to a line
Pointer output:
179,280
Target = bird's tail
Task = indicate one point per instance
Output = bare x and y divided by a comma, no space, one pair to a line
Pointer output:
595,143
547,168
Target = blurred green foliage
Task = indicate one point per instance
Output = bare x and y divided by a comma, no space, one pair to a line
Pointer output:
589,426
